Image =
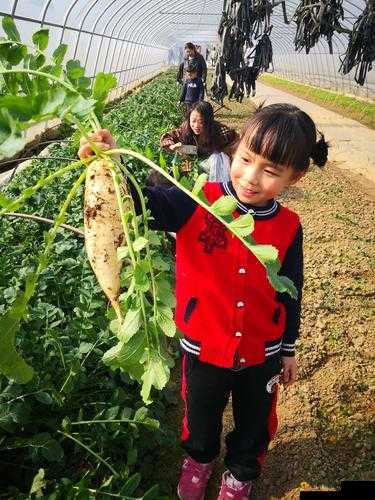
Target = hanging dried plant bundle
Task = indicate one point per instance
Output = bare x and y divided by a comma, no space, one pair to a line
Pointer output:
242,22
361,47
316,19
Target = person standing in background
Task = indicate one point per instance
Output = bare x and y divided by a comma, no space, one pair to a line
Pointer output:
251,75
251,72
192,56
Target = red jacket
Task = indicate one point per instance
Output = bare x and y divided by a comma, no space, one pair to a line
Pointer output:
226,308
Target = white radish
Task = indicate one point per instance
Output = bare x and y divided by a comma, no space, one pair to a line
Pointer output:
103,230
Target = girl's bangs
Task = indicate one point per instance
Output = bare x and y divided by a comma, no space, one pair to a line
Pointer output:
277,139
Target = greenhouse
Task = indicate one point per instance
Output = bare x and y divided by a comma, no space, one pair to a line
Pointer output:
187,268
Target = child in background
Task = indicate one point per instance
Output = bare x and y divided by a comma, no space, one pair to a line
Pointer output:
193,89
239,333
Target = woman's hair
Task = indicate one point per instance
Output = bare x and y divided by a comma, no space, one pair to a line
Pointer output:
286,135
190,46
210,134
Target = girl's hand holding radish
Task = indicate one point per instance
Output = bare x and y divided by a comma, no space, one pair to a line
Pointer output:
103,140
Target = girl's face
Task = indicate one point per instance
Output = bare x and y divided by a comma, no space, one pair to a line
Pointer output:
196,122
257,180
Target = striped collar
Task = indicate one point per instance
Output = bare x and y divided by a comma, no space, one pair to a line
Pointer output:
269,210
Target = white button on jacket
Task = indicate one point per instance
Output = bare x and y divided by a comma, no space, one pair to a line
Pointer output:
240,303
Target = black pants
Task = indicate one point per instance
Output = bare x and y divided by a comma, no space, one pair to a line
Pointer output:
206,389
250,85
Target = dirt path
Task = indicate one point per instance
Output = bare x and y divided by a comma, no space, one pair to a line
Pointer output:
325,431
352,144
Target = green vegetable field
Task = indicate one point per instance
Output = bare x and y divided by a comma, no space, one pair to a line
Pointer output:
48,429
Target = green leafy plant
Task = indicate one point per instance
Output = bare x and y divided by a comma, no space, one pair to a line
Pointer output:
65,336
41,90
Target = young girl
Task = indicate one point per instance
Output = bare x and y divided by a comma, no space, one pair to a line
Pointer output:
239,333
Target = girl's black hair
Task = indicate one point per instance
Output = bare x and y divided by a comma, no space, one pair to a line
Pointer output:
211,131
286,135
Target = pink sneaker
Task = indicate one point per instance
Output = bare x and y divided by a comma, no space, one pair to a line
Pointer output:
194,479
231,489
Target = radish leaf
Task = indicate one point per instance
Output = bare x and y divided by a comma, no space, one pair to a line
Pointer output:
40,39
224,205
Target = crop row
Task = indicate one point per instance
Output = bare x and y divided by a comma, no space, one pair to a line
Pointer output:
66,333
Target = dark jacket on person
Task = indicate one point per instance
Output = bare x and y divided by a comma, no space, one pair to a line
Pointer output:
192,91
198,61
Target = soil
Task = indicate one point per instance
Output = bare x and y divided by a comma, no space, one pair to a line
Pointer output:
326,430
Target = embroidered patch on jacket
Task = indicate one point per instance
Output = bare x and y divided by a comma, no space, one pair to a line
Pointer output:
214,234
272,384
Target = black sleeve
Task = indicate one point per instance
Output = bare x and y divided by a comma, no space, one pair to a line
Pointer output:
292,267
183,93
201,91
170,207
180,73
204,68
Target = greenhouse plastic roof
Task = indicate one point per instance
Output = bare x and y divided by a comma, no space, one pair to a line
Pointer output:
155,22
134,39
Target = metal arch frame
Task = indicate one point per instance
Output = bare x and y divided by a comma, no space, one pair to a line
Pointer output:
134,46
64,26
44,12
130,51
160,25
115,25
67,14
81,26
132,41
173,17
135,50
167,21
275,41
15,3
111,36
94,28
48,2
125,35
152,32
